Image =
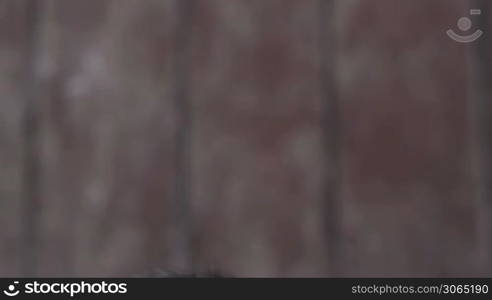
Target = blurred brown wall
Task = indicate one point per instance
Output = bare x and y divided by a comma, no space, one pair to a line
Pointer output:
105,83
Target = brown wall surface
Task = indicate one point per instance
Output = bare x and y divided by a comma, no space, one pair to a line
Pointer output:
247,137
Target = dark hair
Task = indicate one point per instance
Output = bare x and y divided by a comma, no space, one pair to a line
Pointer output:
158,273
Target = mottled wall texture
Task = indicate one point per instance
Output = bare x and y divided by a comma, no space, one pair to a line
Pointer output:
245,137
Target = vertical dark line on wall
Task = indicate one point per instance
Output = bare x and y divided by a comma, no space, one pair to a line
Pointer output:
482,97
331,130
30,212
182,209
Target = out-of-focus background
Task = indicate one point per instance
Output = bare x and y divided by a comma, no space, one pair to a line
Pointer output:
244,137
